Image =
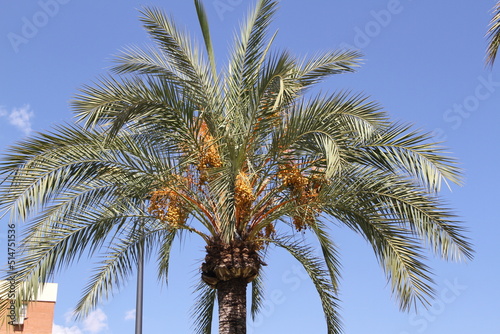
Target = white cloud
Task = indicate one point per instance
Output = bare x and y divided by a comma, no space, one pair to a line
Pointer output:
69,316
56,329
130,315
19,117
95,322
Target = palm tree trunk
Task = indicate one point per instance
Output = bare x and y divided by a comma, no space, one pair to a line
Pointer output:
232,299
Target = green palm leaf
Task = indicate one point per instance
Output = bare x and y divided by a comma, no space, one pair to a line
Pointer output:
493,36
320,278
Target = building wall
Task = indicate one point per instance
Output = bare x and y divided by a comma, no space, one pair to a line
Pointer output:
40,316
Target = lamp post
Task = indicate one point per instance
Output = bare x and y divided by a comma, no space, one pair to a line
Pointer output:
140,280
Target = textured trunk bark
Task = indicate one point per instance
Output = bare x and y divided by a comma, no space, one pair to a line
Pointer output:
232,299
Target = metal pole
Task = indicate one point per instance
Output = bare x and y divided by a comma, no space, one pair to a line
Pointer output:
140,282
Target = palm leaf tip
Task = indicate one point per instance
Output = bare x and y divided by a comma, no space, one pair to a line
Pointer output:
493,36
203,20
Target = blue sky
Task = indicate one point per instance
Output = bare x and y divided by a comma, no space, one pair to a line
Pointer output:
424,62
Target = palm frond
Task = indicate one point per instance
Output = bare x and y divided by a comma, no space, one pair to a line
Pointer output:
396,248
314,70
493,35
144,61
165,245
135,102
205,29
257,296
347,119
248,54
36,176
119,262
402,149
203,310
329,250
410,205
321,279
180,52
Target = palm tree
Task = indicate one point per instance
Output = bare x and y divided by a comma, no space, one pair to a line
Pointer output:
493,36
246,158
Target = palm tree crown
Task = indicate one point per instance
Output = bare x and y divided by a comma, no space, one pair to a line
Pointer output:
245,158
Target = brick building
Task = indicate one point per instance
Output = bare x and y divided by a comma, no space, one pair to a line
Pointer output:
38,315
